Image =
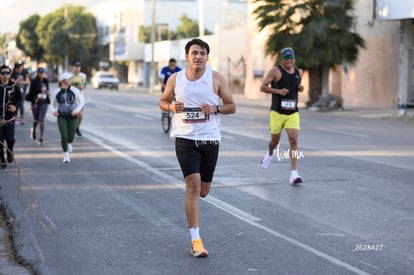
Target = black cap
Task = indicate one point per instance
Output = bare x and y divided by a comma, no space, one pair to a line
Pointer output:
41,70
76,63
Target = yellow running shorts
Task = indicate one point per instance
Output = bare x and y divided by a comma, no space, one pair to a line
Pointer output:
280,121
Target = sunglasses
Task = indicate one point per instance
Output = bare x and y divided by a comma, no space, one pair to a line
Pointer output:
287,57
4,72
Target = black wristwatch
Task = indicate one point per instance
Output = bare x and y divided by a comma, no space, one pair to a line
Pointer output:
218,109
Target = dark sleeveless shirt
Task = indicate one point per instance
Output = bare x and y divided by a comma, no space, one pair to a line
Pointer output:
287,104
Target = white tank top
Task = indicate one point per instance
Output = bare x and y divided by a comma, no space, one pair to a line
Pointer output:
192,123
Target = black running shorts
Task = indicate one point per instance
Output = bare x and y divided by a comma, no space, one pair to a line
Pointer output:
197,157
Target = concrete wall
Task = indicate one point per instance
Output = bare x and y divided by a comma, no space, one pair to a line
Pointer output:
372,82
258,64
231,42
228,47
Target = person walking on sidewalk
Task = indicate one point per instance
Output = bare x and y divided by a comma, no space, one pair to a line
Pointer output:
39,97
285,83
8,100
20,77
198,92
79,81
66,103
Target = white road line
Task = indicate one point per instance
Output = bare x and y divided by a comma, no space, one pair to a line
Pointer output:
373,266
230,209
144,117
343,133
234,211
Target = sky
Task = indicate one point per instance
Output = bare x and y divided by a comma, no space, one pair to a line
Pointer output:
14,11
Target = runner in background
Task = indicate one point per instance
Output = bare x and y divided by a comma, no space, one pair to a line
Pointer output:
283,82
167,71
79,81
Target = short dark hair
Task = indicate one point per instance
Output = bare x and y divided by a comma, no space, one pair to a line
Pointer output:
17,65
197,41
5,67
172,60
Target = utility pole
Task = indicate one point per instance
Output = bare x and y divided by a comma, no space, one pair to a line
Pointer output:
66,62
152,78
201,17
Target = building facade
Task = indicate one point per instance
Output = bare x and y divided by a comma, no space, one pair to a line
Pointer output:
118,23
383,76
401,13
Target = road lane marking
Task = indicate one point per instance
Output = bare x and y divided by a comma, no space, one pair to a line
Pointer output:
230,209
304,246
234,211
342,133
373,266
143,117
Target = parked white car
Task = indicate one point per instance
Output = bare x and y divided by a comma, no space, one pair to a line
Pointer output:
105,79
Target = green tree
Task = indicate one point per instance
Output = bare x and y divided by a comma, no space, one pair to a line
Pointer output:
68,30
27,39
188,28
320,31
144,34
2,48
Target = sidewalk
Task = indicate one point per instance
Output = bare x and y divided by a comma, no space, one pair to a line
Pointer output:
7,266
265,101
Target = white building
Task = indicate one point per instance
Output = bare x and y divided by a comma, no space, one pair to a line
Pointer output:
383,76
118,23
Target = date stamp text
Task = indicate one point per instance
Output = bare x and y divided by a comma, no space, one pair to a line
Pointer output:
368,247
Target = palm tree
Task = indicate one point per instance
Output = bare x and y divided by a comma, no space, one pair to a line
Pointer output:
320,31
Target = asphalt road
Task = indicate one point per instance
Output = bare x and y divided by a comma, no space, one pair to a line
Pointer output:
117,208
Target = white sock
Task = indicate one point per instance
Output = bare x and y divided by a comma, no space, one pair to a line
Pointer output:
195,233
294,174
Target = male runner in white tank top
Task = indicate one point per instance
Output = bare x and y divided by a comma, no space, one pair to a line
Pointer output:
201,96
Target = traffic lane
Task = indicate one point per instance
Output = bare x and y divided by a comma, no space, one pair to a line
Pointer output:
354,197
338,250
247,122
246,163
324,220
349,140
238,171
329,131
78,199
156,241
98,212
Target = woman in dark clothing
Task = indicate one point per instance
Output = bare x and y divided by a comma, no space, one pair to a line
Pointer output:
8,101
39,97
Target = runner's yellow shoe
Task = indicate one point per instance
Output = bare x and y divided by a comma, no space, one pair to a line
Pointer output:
198,250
